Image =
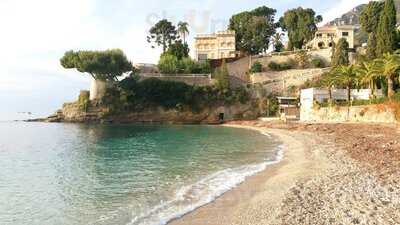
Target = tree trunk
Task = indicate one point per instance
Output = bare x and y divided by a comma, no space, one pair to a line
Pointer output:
372,88
349,93
390,87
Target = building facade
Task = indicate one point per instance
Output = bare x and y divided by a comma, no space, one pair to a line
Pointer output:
220,45
326,36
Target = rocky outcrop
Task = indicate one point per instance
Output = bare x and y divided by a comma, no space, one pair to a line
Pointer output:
74,112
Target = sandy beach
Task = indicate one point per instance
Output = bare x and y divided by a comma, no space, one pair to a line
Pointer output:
330,174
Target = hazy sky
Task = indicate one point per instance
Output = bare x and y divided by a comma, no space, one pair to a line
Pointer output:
35,34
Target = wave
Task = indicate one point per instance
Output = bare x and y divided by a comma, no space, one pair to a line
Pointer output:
191,197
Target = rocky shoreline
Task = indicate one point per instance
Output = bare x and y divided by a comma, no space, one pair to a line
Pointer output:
75,113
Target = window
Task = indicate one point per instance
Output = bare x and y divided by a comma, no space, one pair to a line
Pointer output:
319,35
331,35
345,34
202,57
222,55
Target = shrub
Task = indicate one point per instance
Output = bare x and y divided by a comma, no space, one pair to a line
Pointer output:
139,95
274,66
186,65
168,64
202,68
318,63
256,67
84,100
279,67
222,76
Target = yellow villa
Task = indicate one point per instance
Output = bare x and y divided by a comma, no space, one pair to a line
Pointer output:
327,35
220,45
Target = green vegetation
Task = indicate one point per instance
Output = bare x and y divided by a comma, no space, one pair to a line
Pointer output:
388,67
171,64
301,26
162,34
254,29
383,71
183,30
277,42
168,64
256,67
340,54
274,66
179,49
221,74
386,35
317,63
378,19
101,65
369,20
140,95
367,75
84,100
346,76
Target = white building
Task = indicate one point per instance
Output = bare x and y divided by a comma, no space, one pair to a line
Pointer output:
327,36
309,96
220,45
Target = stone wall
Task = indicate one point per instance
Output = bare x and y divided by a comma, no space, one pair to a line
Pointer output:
367,114
239,68
190,79
265,60
280,80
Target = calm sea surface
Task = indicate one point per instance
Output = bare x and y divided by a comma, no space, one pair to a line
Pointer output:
121,174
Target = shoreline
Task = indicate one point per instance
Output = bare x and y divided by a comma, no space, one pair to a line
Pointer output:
263,190
326,176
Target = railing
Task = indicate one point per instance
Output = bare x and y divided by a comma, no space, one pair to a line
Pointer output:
175,75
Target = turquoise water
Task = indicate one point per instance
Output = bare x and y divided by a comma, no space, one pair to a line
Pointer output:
121,174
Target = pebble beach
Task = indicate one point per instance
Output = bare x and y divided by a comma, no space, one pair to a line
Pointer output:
330,174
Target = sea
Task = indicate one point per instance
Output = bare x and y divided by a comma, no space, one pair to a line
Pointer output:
78,174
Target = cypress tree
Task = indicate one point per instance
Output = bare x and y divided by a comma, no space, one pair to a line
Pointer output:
340,54
371,46
386,36
369,21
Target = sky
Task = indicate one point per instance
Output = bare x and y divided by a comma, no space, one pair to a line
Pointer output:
35,34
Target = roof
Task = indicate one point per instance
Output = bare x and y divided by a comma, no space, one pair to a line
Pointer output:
288,98
332,28
214,35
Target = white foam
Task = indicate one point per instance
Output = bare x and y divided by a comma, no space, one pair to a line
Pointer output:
191,197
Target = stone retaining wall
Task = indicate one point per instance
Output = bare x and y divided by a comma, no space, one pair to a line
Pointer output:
367,114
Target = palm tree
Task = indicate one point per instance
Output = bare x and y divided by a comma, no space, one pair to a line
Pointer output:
183,30
346,76
277,42
367,73
388,66
329,80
